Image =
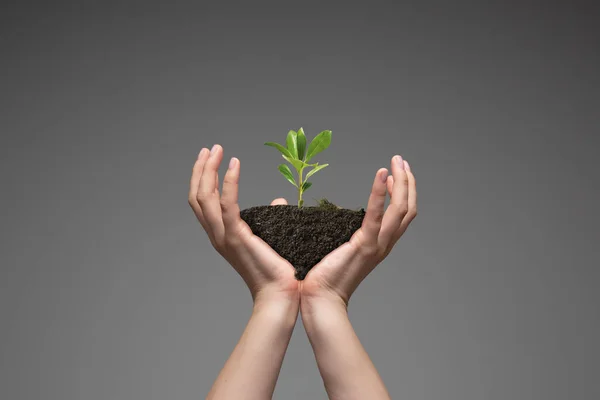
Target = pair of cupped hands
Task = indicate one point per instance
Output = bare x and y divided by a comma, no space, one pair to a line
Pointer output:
269,276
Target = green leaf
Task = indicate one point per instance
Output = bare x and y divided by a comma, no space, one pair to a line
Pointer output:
296,163
306,185
285,171
301,143
315,169
318,144
291,143
279,147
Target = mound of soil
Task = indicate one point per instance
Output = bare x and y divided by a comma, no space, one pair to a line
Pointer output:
303,236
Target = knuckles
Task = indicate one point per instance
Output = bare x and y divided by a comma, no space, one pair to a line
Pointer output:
412,214
225,205
378,217
403,178
202,196
230,180
401,209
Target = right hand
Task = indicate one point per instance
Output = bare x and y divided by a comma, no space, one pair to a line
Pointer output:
268,275
339,273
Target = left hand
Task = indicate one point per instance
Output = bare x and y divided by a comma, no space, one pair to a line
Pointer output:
268,275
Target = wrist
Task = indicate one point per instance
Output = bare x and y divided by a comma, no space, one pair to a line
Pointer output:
326,304
323,317
281,308
316,293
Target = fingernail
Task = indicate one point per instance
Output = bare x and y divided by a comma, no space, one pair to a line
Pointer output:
406,165
384,176
399,161
232,162
202,152
214,148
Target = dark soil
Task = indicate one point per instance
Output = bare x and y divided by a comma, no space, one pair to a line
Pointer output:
303,236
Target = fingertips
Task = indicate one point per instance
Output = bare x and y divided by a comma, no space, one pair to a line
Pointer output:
279,201
375,206
231,180
412,192
196,174
390,184
194,186
203,153
229,197
398,166
400,187
201,161
380,180
215,156
209,179
233,164
378,191
397,209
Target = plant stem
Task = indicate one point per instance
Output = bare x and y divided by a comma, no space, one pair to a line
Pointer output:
300,188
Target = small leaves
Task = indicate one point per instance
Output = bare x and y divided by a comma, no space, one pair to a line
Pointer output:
315,169
318,144
301,143
279,147
285,171
295,163
292,144
296,153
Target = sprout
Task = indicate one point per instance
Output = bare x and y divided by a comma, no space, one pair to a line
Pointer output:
328,205
294,153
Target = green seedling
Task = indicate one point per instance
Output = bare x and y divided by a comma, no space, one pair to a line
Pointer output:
326,204
296,153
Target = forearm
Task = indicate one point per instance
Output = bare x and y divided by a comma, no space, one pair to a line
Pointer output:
345,366
253,367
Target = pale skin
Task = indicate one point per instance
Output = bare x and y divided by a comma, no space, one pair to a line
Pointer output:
322,298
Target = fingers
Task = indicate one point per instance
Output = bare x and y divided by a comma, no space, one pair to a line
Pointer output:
375,210
390,184
195,184
230,209
412,191
208,194
279,201
412,203
398,206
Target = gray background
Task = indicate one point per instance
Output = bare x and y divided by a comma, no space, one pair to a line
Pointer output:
111,290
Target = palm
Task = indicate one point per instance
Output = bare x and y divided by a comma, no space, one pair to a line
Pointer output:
271,265
330,272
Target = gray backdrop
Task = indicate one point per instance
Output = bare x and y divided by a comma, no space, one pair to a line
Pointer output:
111,290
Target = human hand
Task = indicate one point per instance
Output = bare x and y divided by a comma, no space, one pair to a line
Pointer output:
266,273
339,273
